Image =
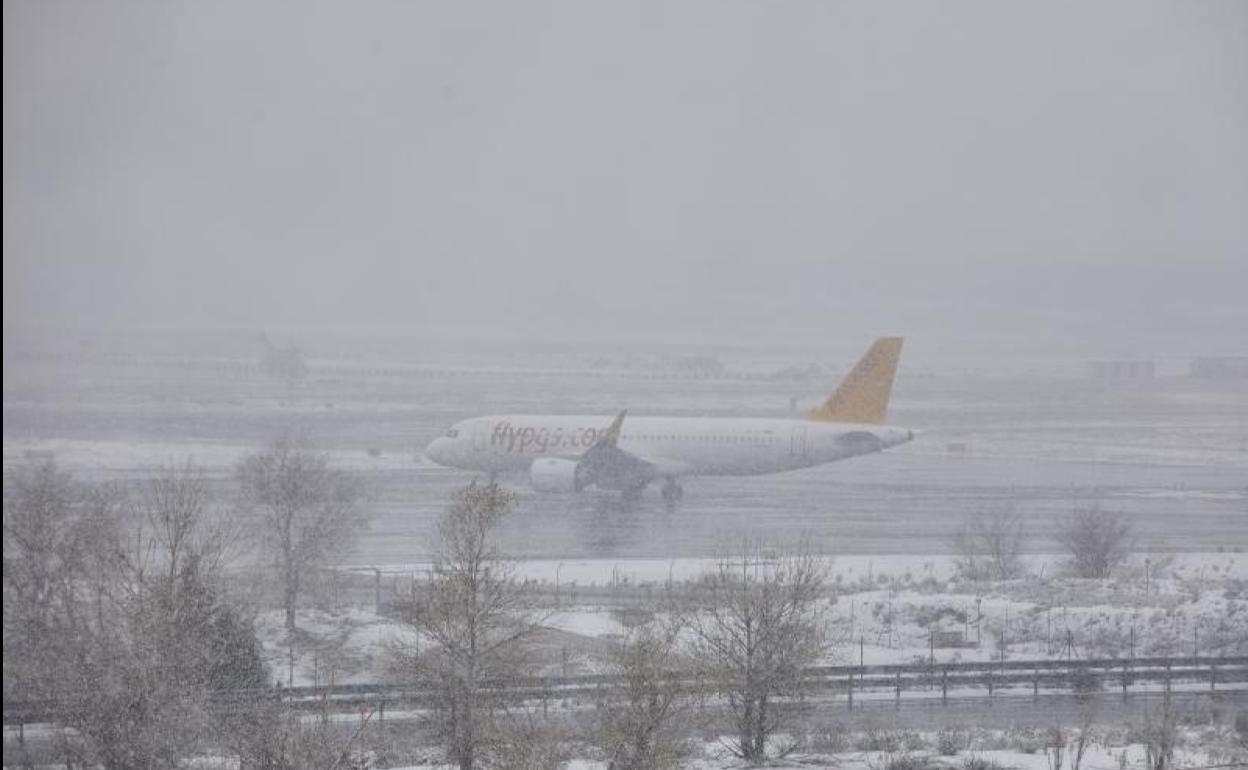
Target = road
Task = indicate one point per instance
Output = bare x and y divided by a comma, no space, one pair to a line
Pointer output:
1003,711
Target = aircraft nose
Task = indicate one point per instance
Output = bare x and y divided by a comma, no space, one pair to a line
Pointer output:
438,450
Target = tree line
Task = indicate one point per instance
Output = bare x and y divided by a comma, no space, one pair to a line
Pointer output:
120,608
746,631
989,546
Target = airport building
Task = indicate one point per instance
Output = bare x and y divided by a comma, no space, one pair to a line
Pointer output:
1121,371
1220,368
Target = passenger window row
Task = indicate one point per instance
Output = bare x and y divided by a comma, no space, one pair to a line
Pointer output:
716,439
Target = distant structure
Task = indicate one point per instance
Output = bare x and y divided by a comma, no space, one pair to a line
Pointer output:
1220,368
807,372
698,366
948,631
1120,371
282,363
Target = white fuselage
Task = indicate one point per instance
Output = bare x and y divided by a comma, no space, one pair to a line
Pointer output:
677,446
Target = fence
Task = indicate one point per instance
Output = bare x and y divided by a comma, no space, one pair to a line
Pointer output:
951,680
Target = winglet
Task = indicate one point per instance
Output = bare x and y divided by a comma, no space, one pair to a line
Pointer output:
610,437
613,433
863,395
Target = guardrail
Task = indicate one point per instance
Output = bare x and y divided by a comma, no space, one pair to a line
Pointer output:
1087,676
986,678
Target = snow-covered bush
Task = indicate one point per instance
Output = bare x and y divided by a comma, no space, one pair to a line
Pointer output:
951,740
980,763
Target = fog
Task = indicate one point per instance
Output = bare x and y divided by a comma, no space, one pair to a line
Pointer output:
1068,171
413,384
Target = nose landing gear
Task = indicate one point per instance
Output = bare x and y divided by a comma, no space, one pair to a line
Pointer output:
672,491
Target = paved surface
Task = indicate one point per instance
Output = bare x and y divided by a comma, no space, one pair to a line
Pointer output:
1173,455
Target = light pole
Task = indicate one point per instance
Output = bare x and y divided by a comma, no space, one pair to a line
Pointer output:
890,621
1005,627
558,567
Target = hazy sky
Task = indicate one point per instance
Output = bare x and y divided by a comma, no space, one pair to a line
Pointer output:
1064,167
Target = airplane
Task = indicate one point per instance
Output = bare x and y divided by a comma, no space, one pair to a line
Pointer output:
570,453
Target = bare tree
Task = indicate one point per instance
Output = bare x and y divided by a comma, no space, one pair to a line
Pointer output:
175,520
641,720
1087,694
276,738
170,640
1067,748
476,625
525,739
1080,743
309,512
1097,541
1160,736
134,634
758,630
46,546
1055,747
989,546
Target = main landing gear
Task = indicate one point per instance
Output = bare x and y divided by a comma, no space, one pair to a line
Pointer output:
633,493
672,491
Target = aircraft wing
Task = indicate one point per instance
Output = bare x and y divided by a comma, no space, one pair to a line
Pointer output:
611,467
665,467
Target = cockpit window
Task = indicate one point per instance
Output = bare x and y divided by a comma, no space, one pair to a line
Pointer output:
452,433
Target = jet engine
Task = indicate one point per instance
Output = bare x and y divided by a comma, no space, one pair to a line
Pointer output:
553,474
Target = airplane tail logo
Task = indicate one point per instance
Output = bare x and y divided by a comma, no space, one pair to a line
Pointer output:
863,395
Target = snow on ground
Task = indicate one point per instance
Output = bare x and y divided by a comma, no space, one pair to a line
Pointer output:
94,457
1189,603
1109,755
1194,604
848,569
592,623
1022,747
341,647
1181,494
1010,442
354,645
577,572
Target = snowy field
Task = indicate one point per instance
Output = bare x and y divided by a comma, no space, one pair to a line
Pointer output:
883,611
1116,752
1020,747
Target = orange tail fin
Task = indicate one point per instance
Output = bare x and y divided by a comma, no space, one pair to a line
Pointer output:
863,395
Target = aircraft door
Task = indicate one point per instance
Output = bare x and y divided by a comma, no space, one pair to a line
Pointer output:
480,436
797,442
